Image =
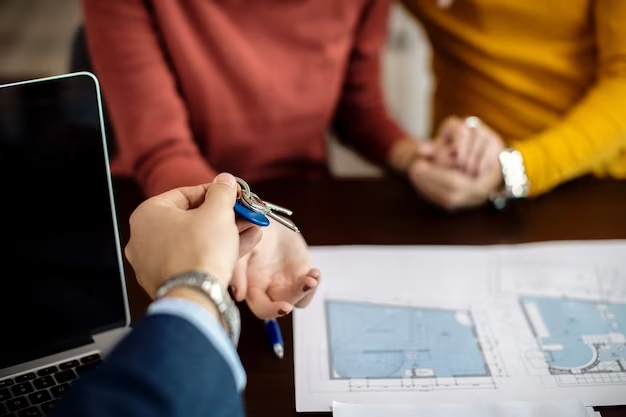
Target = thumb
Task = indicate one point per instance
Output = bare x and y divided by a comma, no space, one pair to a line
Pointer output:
222,194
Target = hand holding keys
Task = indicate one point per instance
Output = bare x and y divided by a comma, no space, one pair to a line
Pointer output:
250,207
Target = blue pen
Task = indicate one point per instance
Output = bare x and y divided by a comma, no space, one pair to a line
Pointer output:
276,338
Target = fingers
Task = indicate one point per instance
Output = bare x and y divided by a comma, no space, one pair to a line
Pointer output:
453,139
243,225
221,195
476,148
449,127
443,186
488,158
249,239
184,198
315,274
263,307
421,175
239,283
224,188
297,289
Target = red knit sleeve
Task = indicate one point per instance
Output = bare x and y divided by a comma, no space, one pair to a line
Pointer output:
361,119
149,118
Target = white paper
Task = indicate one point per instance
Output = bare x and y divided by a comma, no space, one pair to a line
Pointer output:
592,413
468,325
567,408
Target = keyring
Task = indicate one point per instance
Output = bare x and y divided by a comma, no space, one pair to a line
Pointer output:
255,210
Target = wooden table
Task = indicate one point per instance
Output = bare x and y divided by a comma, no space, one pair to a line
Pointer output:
387,212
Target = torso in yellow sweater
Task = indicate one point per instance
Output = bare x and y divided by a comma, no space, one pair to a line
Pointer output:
549,76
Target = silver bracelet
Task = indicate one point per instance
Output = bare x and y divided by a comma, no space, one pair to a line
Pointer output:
516,184
217,294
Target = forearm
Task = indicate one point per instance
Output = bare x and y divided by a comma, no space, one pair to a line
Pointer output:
370,131
592,133
362,120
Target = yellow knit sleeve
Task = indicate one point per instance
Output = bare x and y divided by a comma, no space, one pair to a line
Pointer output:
594,131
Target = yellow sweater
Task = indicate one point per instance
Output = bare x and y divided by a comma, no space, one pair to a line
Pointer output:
549,76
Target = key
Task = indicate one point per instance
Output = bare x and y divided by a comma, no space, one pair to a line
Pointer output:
277,208
284,222
269,208
252,208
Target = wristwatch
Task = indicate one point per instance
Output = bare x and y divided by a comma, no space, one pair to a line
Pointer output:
516,184
215,291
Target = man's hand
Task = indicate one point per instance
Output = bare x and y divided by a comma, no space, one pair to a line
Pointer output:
276,275
189,229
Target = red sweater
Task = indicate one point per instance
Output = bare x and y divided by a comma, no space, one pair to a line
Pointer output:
196,87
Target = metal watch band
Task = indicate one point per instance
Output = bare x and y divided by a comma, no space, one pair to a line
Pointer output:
516,184
215,291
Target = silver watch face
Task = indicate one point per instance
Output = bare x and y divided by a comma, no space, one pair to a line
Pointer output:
216,294
214,290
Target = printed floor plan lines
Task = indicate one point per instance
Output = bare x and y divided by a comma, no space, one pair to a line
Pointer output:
378,346
582,341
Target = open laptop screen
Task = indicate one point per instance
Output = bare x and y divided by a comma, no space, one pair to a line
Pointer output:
60,272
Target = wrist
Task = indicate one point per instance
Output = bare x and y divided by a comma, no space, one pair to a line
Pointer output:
196,297
514,182
214,293
402,155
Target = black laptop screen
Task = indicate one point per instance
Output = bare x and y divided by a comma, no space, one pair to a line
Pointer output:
60,278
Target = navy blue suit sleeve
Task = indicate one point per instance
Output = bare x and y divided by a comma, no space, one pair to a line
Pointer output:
164,367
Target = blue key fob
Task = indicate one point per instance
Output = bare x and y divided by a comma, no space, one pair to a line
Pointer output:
251,215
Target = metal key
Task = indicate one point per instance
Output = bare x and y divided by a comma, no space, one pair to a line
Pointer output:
283,221
278,209
253,206
268,209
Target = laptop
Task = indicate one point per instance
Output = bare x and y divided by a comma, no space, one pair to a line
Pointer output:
62,289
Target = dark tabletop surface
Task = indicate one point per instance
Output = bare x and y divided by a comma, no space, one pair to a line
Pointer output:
388,212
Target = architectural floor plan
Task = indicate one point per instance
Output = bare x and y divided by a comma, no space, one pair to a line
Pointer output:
432,325
386,341
581,340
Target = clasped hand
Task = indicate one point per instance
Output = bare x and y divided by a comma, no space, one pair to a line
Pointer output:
460,168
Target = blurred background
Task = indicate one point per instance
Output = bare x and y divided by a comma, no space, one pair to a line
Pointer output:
36,41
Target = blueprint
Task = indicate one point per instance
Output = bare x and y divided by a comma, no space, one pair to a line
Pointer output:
582,341
385,341
467,325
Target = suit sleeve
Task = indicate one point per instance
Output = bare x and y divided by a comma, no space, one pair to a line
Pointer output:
165,367
594,131
361,119
148,114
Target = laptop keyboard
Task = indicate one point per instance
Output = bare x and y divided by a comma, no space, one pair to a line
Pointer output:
34,393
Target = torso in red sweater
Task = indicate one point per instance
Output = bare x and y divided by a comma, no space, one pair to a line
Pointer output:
200,86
